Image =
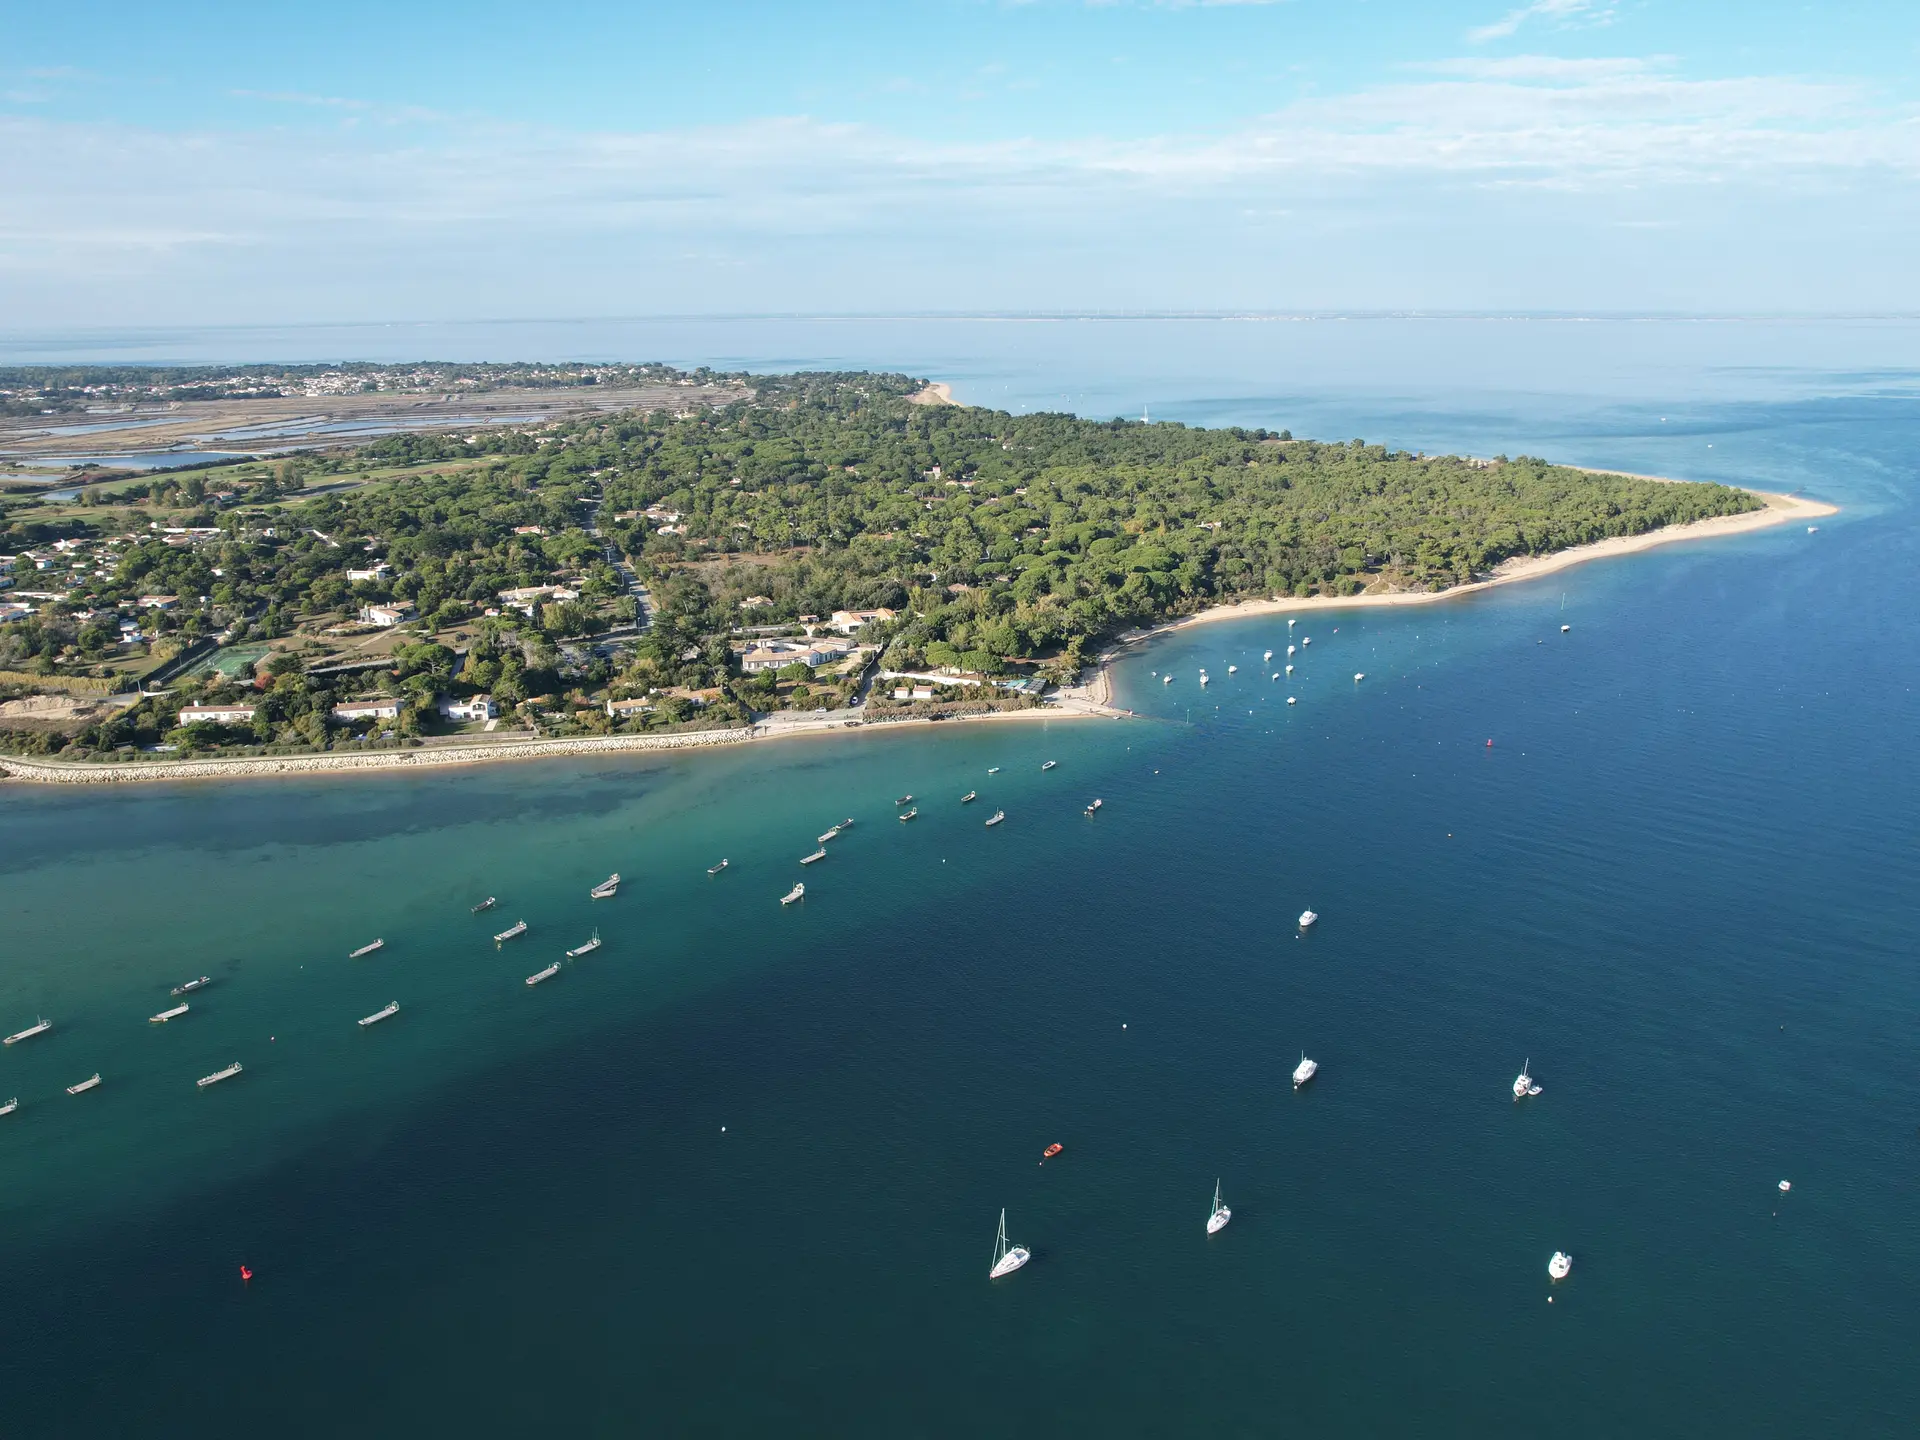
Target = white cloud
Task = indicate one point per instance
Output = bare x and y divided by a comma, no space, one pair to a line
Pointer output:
1564,11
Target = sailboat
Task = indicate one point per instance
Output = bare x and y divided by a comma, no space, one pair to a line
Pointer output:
1305,1070
586,949
486,904
798,892
1006,1258
716,869
607,888
1217,1219
1523,1085
996,817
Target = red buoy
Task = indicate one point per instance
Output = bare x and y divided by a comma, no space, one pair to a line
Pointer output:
245,1273
1489,744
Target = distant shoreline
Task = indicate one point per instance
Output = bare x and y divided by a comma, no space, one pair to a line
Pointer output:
1091,699
1779,510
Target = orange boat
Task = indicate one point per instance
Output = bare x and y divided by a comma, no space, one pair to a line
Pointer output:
1051,1151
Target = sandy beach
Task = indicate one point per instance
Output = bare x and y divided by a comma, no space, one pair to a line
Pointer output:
1091,699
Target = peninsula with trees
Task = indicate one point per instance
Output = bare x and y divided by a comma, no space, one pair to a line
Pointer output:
741,545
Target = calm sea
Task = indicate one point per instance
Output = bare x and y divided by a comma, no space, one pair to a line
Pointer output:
737,1172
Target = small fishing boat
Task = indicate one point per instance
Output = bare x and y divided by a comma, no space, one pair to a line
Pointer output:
1565,628
486,904
1049,764
904,800
1305,1070
385,1012
1093,807
1307,919
1560,1265
798,892
85,1085
969,797
193,985
716,869
1166,679
586,949
833,834
366,949
1052,1150
1266,657
541,976
1218,1217
165,1015
1523,1085
27,1034
819,854
512,932
1006,1258
1289,669
909,814
607,888
1233,669
996,817
11,1106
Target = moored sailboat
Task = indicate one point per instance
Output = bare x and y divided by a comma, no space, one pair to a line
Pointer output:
486,904
214,1079
38,1028
165,1015
798,892
586,949
193,985
1218,1217
815,857
607,888
85,1085
996,817
540,976
385,1012
1006,1258
512,932
1305,1070
366,950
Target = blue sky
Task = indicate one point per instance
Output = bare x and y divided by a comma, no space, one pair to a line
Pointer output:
267,164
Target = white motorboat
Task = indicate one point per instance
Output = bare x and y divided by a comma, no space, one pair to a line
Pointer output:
1785,1186
214,1079
1218,1217
1289,650
1289,669
1813,529
798,892
1006,1258
903,800
1560,1265
1292,623
1094,806
165,1015
1306,640
1308,919
1523,1085
1233,669
716,869
193,985
385,1012
906,815
1358,676
1166,679
512,932
39,1028
1203,678
969,797
1048,765
817,855
11,1106
1305,1070
85,1085
1292,701
1266,657
993,769
607,888
541,976
996,817
486,904
586,949
1565,628
366,950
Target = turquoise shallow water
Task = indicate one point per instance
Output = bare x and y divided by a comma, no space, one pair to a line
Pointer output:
1681,882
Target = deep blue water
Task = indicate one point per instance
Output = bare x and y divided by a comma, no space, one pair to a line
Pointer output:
1681,881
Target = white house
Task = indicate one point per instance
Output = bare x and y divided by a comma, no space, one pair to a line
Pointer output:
218,714
373,572
159,602
479,707
386,616
848,621
618,708
776,654
367,710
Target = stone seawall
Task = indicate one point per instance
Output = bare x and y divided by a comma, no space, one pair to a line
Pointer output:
86,772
